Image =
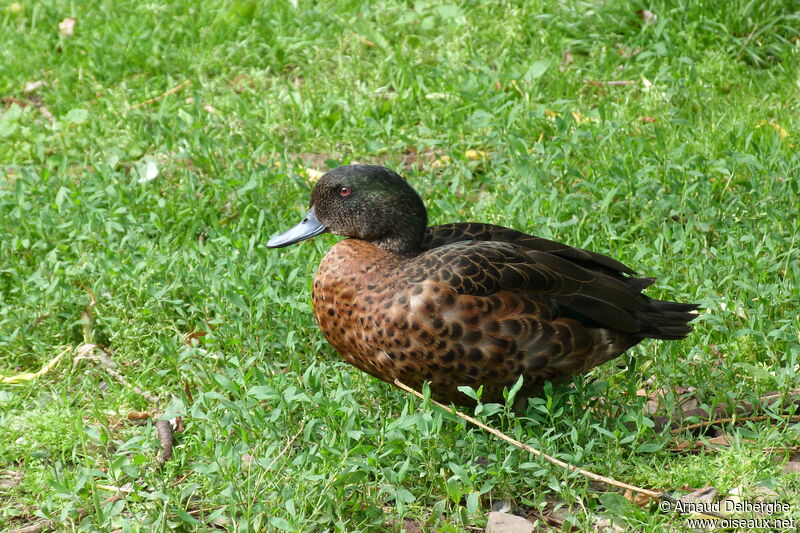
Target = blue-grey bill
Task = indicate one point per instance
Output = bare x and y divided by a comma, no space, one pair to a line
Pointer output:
307,228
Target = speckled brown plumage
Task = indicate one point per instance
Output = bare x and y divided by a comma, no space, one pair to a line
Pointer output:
471,304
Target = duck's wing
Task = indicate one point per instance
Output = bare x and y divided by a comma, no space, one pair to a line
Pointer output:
436,236
553,278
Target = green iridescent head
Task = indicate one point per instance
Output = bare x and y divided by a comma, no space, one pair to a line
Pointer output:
366,202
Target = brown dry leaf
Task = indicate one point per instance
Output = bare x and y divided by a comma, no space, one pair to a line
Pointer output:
721,440
605,525
135,416
238,81
637,498
566,60
686,400
762,494
67,26
649,120
708,444
648,17
706,494
792,467
410,526
367,42
683,445
194,335
10,478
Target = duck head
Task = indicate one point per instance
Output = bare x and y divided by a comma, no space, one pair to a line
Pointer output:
367,202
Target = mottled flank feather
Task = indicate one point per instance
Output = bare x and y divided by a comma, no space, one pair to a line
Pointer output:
480,305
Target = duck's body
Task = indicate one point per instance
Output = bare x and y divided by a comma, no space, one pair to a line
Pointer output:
475,304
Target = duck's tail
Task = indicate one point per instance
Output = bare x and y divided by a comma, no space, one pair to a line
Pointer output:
666,320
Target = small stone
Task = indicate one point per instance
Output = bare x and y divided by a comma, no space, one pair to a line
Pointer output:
507,523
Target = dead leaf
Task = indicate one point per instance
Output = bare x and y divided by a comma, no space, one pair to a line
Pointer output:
605,525
721,440
683,445
637,498
367,42
566,60
704,495
134,416
67,26
441,162
474,155
649,120
241,82
782,133
685,401
10,478
792,467
648,17
410,526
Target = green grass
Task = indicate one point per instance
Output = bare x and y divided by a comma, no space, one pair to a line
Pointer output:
281,434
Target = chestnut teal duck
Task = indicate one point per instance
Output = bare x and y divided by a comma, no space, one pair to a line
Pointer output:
465,303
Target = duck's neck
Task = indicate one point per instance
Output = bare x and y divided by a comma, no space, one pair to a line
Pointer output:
404,245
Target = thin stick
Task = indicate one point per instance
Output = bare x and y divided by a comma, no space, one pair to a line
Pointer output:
43,525
286,448
35,527
174,90
613,82
705,423
659,495
534,451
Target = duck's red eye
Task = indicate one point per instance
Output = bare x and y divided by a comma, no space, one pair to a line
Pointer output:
344,191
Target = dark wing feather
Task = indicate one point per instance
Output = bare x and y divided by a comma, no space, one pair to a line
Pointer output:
471,231
589,287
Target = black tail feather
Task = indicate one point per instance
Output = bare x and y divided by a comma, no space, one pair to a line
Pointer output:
667,320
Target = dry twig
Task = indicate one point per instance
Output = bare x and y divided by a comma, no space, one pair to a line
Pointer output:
610,83
174,90
725,413
286,448
658,495
46,525
705,423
